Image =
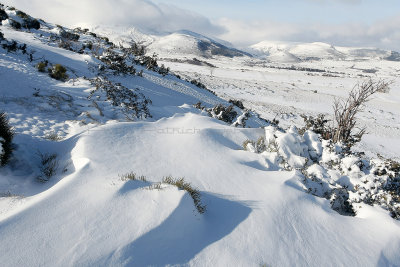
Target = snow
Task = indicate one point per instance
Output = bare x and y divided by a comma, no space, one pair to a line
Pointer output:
253,216
291,52
257,213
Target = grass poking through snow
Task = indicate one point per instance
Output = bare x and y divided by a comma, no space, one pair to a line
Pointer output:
180,183
183,185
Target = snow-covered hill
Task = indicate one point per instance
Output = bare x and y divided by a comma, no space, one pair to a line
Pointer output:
295,52
179,44
272,197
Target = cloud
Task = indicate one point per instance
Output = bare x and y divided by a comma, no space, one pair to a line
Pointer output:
139,13
383,34
147,15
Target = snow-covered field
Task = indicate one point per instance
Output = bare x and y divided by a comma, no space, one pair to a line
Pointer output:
257,213
286,90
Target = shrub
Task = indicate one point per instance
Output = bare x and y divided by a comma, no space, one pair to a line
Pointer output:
53,136
318,125
346,111
237,103
345,115
21,14
12,46
134,104
163,70
183,185
41,66
15,24
226,114
246,143
117,63
58,72
48,166
3,15
68,35
6,136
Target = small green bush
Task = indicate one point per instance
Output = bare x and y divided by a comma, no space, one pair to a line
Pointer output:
6,136
41,66
58,72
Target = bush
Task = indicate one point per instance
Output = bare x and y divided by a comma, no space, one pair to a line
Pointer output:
237,103
345,115
226,114
317,125
69,35
53,136
41,66
48,166
15,24
163,70
28,22
346,111
6,136
58,72
3,15
134,103
13,46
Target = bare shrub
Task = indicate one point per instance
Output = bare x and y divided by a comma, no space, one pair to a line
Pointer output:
133,177
345,111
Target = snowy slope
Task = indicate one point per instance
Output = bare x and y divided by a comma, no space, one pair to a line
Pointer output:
87,215
189,43
254,216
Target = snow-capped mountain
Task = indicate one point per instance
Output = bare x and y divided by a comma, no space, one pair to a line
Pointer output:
172,45
296,52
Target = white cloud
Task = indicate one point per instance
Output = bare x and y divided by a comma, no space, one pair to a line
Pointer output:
145,14
383,34
140,13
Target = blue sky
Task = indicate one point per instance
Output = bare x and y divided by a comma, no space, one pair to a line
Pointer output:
327,11
367,23
366,11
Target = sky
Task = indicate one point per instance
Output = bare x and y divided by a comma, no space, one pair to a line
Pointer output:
370,23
